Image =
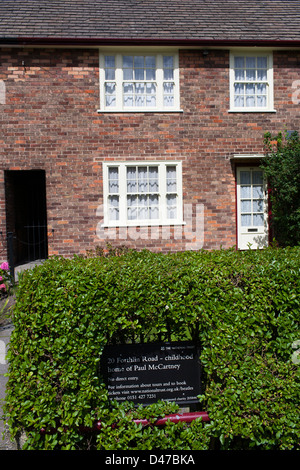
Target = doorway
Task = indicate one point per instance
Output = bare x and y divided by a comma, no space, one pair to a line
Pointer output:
252,215
26,214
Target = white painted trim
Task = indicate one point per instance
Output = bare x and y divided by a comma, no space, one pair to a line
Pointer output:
270,83
119,108
162,220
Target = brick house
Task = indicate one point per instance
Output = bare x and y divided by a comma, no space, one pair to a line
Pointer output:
141,122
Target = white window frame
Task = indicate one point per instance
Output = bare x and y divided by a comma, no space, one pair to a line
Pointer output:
159,80
162,220
269,82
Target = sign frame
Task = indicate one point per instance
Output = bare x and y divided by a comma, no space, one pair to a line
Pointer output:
145,373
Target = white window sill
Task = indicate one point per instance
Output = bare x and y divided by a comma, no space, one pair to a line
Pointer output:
251,110
138,224
112,111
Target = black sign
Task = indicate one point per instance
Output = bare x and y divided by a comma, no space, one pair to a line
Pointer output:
146,373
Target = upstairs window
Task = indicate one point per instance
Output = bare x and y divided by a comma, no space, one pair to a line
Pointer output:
136,82
251,82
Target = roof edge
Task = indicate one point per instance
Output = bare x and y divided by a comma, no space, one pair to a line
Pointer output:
53,41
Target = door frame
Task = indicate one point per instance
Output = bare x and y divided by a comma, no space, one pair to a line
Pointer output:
243,238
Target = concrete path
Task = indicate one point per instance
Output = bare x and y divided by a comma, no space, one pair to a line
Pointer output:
5,332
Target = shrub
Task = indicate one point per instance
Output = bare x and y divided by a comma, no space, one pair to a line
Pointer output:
243,307
281,166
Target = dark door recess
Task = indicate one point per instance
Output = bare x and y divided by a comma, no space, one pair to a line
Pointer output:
26,214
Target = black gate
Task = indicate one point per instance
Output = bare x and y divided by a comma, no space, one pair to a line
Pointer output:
26,215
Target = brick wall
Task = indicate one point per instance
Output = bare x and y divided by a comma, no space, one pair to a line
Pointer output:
50,122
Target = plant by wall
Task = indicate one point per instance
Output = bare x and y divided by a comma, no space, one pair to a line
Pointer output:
5,279
282,168
243,307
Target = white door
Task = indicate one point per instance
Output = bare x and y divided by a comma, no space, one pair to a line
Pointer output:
252,212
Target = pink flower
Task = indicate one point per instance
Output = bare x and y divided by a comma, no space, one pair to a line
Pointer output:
4,266
1,278
3,286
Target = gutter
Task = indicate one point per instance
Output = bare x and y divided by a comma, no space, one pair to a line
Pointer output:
56,41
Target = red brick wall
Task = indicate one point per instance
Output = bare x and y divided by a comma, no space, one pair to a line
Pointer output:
50,121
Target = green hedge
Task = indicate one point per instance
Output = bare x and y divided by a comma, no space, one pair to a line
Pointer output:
242,306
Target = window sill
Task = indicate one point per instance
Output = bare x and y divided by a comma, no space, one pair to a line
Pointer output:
146,224
252,111
125,111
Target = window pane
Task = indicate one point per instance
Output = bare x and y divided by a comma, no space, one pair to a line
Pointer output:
246,206
258,192
150,74
131,180
246,220
171,206
258,219
250,75
139,74
113,207
258,205
168,94
109,61
250,101
150,64
132,207
110,94
245,177
153,207
261,101
245,192
239,62
257,177
250,89
142,180
262,62
168,66
153,179
251,62
150,61
250,95
168,61
109,74
109,65
127,61
128,94
262,74
113,180
168,74
128,74
239,95
171,179
150,89
139,61
139,100
239,74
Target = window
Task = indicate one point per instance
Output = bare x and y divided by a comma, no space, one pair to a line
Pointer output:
142,193
251,82
139,82
252,208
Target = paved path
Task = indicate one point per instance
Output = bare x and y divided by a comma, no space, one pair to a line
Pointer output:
6,443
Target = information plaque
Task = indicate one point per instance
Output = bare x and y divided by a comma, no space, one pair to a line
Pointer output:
146,373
